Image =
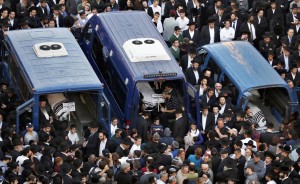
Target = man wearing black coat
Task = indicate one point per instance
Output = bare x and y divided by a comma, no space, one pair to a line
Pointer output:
98,4
186,60
294,75
142,125
57,16
286,58
266,45
231,171
290,17
192,34
240,164
260,23
91,144
180,125
192,74
170,5
206,121
147,9
290,38
206,32
235,24
273,14
208,98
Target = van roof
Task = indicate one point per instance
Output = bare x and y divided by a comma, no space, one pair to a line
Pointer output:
124,26
53,74
245,67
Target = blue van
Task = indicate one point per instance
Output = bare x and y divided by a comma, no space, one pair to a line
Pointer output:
129,55
49,62
242,69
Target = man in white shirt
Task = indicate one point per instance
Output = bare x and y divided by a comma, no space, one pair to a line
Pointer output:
113,126
182,20
26,154
227,33
103,143
156,8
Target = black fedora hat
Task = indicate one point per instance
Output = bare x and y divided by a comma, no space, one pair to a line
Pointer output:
161,148
245,32
269,154
278,29
215,105
294,6
204,77
268,35
286,148
203,107
250,143
224,141
230,163
211,20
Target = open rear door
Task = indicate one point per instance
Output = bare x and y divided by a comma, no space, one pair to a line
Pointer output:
25,107
194,103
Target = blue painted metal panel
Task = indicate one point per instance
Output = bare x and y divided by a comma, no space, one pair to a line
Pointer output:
56,74
123,26
244,66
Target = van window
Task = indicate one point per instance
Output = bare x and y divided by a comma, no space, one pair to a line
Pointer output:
18,78
111,76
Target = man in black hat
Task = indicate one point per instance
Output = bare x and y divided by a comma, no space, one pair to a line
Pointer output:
192,34
290,17
180,126
215,109
266,45
192,74
274,14
294,75
91,144
245,36
123,148
225,103
45,112
210,33
230,171
208,98
206,121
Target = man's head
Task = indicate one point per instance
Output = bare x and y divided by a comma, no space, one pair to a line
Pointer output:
260,13
218,3
290,33
102,136
114,121
220,123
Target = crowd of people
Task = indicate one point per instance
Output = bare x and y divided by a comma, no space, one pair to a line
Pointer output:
224,148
